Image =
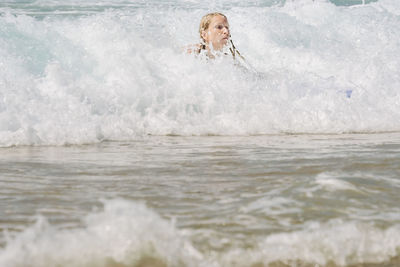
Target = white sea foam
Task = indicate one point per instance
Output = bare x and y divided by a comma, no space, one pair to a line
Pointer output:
272,206
120,73
331,182
338,242
127,233
124,233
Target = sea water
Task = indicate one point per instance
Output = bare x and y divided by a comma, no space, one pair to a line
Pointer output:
119,149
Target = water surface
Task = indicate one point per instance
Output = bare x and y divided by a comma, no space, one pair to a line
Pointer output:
204,201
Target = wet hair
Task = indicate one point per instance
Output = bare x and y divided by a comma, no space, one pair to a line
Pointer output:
206,20
204,24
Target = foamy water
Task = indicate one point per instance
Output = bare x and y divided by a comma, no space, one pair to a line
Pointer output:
83,72
129,234
118,149
326,200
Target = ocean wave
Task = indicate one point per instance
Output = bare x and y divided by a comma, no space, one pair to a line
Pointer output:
119,74
128,233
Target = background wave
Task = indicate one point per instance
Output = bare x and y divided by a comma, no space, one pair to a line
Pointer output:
117,72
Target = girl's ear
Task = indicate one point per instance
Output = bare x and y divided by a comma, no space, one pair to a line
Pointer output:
204,35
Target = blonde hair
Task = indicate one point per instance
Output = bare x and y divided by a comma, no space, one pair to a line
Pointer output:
206,20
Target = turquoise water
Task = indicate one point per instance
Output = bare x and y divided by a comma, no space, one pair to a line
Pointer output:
352,2
37,7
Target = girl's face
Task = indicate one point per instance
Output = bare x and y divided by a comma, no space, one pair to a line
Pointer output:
217,33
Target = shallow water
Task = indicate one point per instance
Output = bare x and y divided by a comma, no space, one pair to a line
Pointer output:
204,201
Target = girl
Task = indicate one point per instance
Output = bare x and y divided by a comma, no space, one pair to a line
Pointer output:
215,36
